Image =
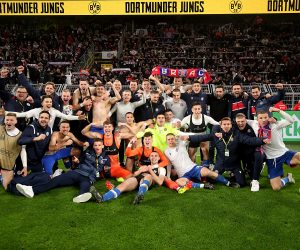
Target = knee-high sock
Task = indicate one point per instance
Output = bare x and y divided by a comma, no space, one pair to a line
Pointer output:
111,194
222,179
195,184
144,187
284,181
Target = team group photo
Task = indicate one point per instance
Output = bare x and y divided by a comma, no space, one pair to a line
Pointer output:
150,131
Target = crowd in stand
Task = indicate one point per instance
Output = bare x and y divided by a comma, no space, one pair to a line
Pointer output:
256,51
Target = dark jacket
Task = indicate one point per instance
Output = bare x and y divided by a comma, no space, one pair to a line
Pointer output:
246,151
234,138
263,103
36,94
218,107
90,164
13,104
35,149
237,105
149,110
195,97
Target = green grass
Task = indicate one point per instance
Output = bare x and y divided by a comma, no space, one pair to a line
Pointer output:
199,219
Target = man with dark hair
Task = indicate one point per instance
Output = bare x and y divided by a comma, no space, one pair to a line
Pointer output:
49,89
159,132
79,94
259,101
197,123
218,108
144,151
238,102
197,95
60,146
133,86
150,109
251,157
36,137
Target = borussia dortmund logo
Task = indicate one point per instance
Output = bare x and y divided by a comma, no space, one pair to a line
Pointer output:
94,7
235,6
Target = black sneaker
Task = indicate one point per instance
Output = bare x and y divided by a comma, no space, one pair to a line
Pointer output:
138,198
209,186
234,185
96,194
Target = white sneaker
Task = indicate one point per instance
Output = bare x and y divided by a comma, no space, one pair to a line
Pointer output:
254,186
291,178
57,172
25,190
82,198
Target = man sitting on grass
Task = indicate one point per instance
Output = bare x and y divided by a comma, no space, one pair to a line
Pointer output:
144,178
188,170
93,162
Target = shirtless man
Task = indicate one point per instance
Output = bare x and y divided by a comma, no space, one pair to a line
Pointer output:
60,146
101,106
128,130
79,94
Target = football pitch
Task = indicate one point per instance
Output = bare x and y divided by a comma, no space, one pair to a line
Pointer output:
198,219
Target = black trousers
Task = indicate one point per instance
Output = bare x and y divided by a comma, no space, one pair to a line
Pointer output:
70,178
29,180
253,164
236,170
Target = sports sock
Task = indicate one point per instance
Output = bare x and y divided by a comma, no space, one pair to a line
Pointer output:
223,180
284,181
171,184
111,194
197,185
144,187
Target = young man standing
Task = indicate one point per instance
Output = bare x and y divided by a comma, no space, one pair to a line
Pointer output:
197,123
10,149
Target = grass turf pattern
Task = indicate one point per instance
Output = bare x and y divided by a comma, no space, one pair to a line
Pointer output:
199,219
